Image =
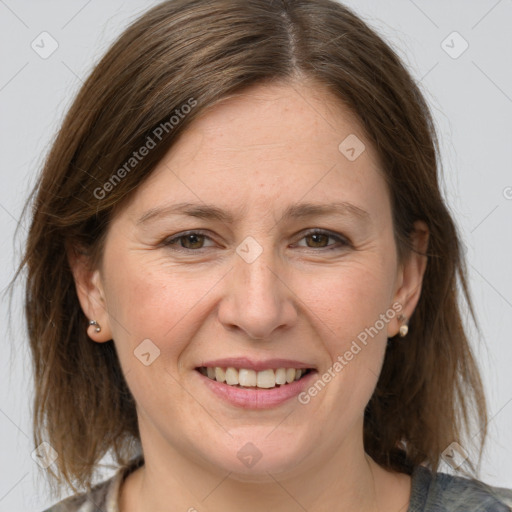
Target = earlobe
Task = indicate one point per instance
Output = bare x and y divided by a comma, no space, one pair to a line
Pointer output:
411,278
90,293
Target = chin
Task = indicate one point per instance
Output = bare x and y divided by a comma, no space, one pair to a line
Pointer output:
256,457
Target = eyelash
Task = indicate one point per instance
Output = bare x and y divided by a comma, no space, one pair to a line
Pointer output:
172,241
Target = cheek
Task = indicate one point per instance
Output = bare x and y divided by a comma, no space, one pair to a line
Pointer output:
348,306
149,300
348,299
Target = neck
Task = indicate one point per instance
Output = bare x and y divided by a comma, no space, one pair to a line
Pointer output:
346,480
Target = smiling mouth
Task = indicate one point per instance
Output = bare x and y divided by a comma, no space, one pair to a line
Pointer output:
245,378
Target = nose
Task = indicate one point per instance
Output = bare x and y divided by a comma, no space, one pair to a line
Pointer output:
258,300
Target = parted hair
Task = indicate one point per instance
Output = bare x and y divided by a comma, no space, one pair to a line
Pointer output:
196,53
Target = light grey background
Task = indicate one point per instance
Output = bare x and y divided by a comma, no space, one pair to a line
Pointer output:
471,98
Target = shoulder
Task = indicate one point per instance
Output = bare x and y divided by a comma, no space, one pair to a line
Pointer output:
102,497
85,502
440,492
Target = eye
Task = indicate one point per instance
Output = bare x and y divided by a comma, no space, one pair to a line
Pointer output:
319,240
194,240
191,241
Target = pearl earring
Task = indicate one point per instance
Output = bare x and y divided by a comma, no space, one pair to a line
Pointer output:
404,328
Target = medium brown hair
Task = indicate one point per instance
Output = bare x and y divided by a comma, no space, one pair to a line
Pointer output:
429,389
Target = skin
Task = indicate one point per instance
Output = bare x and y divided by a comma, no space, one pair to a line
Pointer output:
253,155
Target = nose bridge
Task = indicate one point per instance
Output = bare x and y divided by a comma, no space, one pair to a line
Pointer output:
256,275
257,302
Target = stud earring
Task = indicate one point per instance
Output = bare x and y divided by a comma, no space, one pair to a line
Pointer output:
93,322
404,328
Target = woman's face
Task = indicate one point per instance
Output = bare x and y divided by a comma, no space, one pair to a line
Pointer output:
253,288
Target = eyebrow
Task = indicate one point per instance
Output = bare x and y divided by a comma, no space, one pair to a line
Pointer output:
294,211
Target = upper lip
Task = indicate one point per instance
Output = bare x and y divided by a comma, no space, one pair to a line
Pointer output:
251,364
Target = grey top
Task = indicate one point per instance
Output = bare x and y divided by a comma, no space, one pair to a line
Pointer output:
430,492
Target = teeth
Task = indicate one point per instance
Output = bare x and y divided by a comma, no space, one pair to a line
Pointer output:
266,379
281,376
242,377
231,377
220,375
247,378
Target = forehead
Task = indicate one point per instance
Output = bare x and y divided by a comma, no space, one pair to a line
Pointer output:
271,146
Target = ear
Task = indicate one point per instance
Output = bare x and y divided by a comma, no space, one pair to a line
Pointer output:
410,277
89,289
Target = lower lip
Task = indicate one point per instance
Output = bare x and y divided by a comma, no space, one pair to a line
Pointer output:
251,398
